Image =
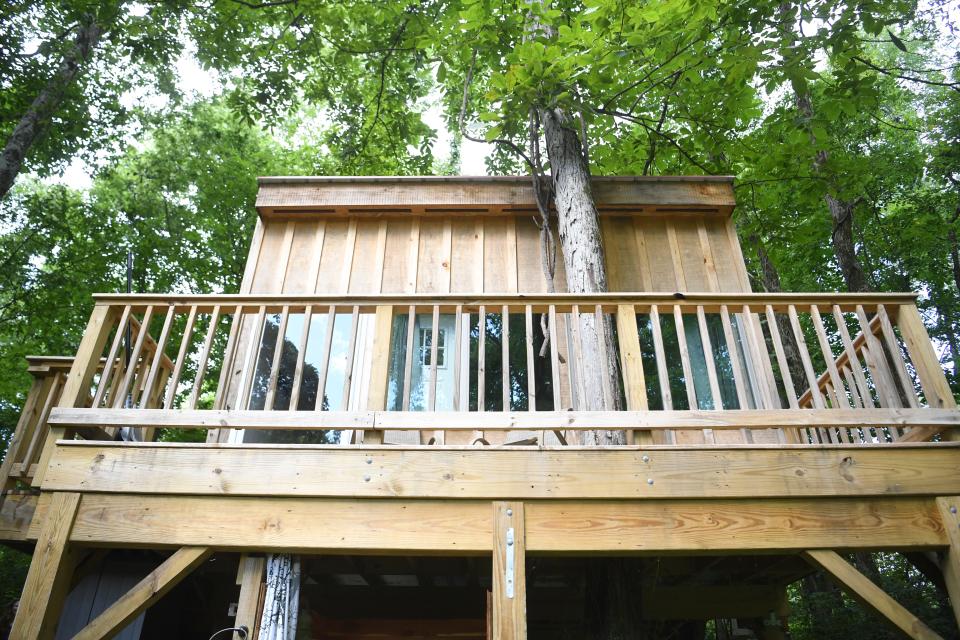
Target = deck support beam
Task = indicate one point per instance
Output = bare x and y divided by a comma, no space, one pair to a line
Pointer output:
146,592
509,572
862,589
250,577
950,565
49,575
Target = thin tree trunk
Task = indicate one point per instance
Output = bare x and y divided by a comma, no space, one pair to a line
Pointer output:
35,122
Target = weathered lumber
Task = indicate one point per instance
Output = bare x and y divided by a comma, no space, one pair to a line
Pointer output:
509,593
588,473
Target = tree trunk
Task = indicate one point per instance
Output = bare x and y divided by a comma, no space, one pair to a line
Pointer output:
841,212
34,123
581,244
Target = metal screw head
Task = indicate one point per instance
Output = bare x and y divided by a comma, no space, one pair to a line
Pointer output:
649,480
369,460
509,543
509,512
953,509
645,458
366,478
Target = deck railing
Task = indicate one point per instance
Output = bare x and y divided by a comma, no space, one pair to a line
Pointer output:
500,369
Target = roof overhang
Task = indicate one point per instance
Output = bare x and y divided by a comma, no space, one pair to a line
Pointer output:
291,197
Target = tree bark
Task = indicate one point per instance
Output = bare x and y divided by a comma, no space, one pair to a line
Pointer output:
35,122
581,244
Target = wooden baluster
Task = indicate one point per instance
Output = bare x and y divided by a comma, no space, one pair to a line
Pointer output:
38,432
685,359
408,362
438,434
351,357
766,384
877,363
708,357
109,367
890,338
576,355
132,367
253,355
325,358
181,358
226,367
158,355
531,363
711,368
379,371
608,392
505,357
631,364
277,358
663,374
836,383
862,388
554,358
457,337
301,358
812,381
482,360
204,357
785,374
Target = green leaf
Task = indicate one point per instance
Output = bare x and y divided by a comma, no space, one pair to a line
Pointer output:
897,42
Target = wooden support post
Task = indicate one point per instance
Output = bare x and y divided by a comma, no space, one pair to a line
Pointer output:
49,575
509,572
859,587
251,580
934,383
131,604
950,565
380,368
77,386
635,386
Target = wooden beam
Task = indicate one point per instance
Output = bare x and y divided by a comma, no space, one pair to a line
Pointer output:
509,195
250,579
49,574
950,565
464,527
509,596
860,588
635,389
493,473
146,592
505,420
934,383
379,368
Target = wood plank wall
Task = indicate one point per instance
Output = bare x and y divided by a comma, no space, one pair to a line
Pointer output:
485,254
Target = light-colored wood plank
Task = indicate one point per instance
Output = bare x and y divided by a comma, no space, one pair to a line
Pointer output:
725,526
893,345
949,508
686,419
183,350
476,473
932,379
631,364
250,578
301,357
49,574
146,592
859,587
509,572
112,357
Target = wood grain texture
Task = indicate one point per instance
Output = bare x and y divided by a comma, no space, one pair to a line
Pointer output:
509,609
49,574
286,524
719,526
950,564
587,473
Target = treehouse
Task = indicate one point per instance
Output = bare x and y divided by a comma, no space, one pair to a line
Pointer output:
397,399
